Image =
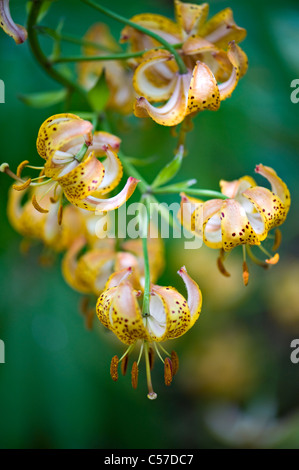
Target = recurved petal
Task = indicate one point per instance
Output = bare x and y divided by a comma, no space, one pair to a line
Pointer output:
269,206
232,188
190,17
159,24
203,90
239,63
126,318
153,79
194,299
103,139
81,181
235,226
277,185
175,307
59,130
69,267
212,235
94,269
188,210
173,111
92,203
17,32
198,45
113,173
221,29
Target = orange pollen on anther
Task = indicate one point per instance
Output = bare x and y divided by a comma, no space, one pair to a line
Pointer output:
245,273
60,215
175,362
21,187
124,364
134,375
221,267
21,168
273,260
113,368
37,206
168,371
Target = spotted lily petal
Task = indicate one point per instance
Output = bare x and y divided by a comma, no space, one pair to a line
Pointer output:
113,173
59,130
212,235
69,267
81,181
153,79
277,185
174,111
190,17
198,45
203,90
170,314
118,309
235,226
159,24
239,63
221,29
17,32
92,203
194,299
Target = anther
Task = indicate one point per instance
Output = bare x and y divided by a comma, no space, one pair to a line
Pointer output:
134,375
273,260
245,273
221,267
37,206
175,362
113,368
22,187
167,371
124,364
21,168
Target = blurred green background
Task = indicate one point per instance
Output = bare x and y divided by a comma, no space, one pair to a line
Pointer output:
236,386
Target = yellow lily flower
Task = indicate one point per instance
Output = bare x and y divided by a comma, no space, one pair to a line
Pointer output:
59,140
17,32
209,49
244,218
90,272
46,227
118,76
170,316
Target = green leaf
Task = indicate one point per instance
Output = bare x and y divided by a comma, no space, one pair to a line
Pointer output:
44,99
170,170
98,96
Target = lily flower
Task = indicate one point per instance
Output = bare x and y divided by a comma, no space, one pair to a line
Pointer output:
89,272
170,316
118,76
17,32
49,227
83,178
244,218
213,60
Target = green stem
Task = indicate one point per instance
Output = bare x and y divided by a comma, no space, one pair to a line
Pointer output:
148,32
120,56
192,191
71,39
41,57
147,280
